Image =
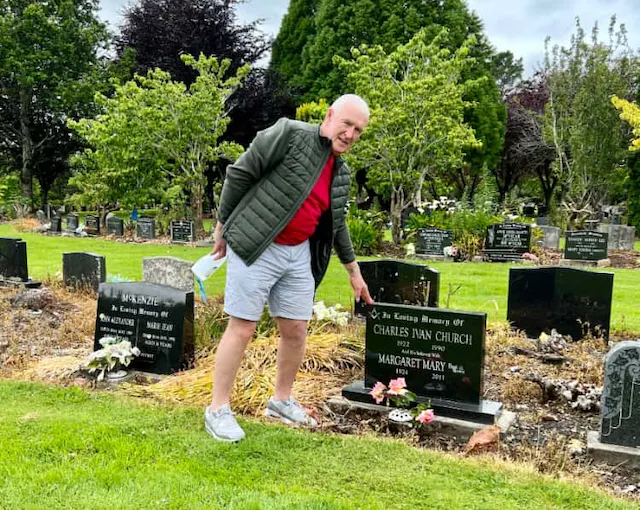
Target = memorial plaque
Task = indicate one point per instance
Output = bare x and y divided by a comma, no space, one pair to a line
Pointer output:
72,223
439,352
146,228
92,224
83,270
13,258
115,226
56,224
391,281
621,396
182,231
155,318
432,241
507,241
571,300
585,245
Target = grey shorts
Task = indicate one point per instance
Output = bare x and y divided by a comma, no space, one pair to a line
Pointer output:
281,276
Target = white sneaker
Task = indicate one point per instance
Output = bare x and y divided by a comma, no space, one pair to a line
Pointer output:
289,412
221,425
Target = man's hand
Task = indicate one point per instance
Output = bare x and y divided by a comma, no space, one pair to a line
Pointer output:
219,245
360,289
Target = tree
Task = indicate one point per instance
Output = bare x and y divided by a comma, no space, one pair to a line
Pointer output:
630,113
416,131
157,137
47,49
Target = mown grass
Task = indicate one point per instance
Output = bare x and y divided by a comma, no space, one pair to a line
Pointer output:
483,287
64,448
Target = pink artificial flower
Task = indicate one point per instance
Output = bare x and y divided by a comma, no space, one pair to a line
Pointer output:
425,416
397,386
378,392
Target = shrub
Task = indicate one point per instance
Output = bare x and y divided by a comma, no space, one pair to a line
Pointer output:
366,229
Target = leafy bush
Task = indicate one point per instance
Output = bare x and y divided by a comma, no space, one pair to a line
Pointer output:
366,229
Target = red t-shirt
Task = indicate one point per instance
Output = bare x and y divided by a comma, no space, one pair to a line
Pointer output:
304,222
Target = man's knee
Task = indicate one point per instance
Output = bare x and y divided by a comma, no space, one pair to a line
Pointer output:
292,330
241,329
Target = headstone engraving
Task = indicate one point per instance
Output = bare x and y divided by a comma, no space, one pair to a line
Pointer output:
432,241
146,228
507,241
72,223
13,258
115,226
621,395
571,300
182,231
92,224
155,318
83,270
170,271
392,281
585,245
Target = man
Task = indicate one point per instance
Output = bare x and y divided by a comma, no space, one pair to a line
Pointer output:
282,207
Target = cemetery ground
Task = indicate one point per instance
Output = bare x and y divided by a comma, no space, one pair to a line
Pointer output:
145,440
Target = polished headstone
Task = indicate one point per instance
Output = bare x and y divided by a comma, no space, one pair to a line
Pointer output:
83,270
72,222
507,241
56,224
432,241
146,228
571,300
621,396
155,318
13,258
585,245
182,231
115,226
170,271
92,224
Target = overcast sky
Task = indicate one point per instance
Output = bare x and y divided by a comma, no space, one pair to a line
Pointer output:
519,26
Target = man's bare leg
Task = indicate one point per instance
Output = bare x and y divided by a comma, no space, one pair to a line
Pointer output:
291,347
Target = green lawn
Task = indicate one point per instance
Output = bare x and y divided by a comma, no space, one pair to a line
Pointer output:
483,286
64,448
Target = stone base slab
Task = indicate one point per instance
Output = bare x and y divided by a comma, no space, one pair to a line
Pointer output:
611,453
580,263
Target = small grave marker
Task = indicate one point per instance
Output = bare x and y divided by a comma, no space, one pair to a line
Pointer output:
115,226
82,269
585,245
507,241
182,232
146,228
432,241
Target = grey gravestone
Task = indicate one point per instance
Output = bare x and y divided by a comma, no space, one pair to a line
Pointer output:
391,281
146,228
42,217
81,269
432,241
507,241
550,237
170,271
542,220
13,258
115,226
571,300
585,245
439,353
182,231
621,396
72,223
155,318
56,224
92,224
620,237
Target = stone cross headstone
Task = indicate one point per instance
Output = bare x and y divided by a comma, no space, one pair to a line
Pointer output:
392,281
92,224
439,353
620,237
115,226
621,395
585,245
507,241
72,223
56,224
182,231
571,300
155,318
13,258
432,241
146,228
170,271
83,270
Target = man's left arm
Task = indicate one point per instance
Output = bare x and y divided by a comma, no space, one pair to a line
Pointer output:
344,248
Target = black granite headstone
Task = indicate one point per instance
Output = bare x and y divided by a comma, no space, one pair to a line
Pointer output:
573,301
56,224
83,270
146,228
507,241
395,282
115,226
92,224
585,245
13,258
155,318
72,223
181,231
621,396
432,241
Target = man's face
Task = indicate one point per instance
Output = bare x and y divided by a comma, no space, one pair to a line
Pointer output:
344,126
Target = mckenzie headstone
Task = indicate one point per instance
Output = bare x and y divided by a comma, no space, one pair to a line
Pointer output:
115,226
507,241
83,270
146,228
621,396
395,282
72,223
155,318
571,300
170,271
585,245
432,241
13,258
92,224
439,353
182,231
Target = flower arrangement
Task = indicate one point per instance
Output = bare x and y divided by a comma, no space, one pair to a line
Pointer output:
531,257
333,314
399,396
115,353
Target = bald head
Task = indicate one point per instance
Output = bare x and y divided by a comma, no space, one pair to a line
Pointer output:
345,121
